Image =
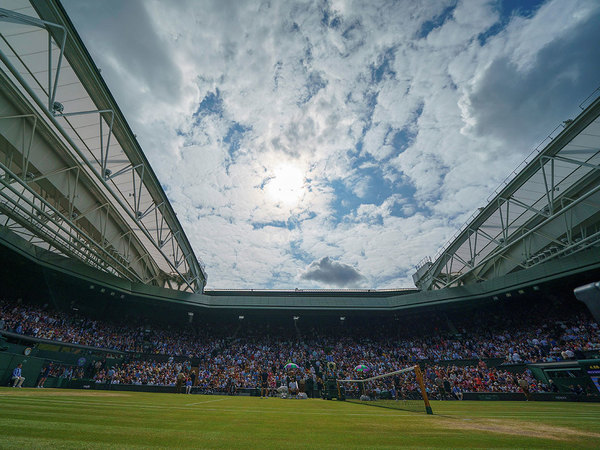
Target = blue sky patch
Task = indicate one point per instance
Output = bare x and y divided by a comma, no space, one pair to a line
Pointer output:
402,139
314,84
273,223
384,67
508,9
212,103
329,19
436,22
346,202
297,253
233,137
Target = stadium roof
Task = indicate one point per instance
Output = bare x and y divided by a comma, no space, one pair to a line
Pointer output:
548,208
70,280
74,181
74,178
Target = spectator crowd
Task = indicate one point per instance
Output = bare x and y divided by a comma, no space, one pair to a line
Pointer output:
232,357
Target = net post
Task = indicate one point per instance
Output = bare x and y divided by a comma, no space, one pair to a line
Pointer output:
419,375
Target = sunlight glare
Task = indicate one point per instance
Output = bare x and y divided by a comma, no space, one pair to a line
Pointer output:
286,185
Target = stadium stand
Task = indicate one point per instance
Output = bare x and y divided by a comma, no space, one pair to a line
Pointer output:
486,350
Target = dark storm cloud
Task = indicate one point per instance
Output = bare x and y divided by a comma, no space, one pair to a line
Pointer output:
332,273
564,73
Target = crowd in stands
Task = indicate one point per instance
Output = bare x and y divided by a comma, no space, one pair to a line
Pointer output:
34,321
451,381
441,381
479,378
154,373
550,339
233,358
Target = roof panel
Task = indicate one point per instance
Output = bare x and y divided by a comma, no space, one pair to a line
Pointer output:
82,90
548,183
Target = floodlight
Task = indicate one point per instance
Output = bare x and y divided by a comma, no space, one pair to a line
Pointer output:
57,108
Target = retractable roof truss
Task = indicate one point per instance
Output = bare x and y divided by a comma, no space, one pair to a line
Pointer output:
85,194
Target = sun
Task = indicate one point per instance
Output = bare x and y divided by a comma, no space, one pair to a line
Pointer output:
286,185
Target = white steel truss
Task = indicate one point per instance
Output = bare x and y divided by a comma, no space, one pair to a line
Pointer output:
550,209
73,177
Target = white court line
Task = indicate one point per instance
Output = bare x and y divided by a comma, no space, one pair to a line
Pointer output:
80,401
393,413
230,409
208,401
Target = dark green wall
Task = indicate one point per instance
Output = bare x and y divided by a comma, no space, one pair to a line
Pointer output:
65,281
31,368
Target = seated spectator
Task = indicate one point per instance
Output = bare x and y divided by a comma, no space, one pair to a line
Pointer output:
457,392
17,377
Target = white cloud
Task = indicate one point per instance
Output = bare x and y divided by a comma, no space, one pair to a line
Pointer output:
322,89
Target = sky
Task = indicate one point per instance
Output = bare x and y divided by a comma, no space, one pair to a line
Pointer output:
335,144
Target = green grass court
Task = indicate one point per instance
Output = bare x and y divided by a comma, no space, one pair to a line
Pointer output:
93,419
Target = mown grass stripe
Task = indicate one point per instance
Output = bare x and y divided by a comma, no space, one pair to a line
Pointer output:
53,418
